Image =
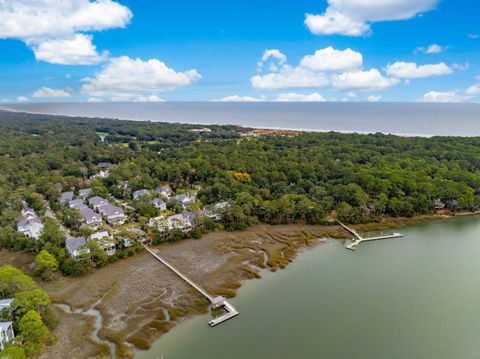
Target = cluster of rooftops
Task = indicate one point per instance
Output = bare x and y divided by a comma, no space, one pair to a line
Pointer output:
96,210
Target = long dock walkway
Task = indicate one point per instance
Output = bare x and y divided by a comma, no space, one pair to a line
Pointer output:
215,302
359,239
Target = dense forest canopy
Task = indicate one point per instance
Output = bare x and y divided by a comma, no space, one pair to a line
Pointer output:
274,179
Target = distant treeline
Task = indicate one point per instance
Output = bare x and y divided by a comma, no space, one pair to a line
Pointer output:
272,179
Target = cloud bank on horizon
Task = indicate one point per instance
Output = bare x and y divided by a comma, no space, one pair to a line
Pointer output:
63,36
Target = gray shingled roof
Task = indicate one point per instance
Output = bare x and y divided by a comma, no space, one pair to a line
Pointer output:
76,203
84,192
141,193
104,164
66,196
189,216
88,214
97,200
110,210
73,243
158,202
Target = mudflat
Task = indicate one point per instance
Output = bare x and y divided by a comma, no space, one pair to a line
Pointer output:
137,299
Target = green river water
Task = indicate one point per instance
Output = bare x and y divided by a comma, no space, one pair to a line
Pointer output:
416,297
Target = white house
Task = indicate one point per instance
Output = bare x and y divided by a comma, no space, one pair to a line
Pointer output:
103,239
77,247
164,191
185,222
160,204
6,334
6,303
30,224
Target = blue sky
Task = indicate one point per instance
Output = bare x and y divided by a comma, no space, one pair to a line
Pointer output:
105,50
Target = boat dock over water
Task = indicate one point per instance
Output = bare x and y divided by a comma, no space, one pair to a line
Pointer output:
215,302
359,239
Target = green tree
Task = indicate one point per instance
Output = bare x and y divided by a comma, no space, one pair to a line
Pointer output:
33,332
35,299
13,353
13,280
45,265
72,218
52,234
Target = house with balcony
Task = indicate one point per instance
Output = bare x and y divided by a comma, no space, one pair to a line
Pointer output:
105,242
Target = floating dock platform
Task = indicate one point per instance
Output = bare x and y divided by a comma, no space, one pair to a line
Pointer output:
355,242
215,302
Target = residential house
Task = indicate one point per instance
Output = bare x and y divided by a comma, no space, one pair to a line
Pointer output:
439,204
30,224
104,241
184,199
141,193
159,204
164,191
185,222
101,174
104,165
219,207
90,217
97,202
76,203
77,247
6,334
66,197
84,193
112,214
6,303
215,212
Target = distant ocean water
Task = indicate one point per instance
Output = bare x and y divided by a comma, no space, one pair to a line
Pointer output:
409,119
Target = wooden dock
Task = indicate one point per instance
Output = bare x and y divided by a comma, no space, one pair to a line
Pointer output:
355,242
215,302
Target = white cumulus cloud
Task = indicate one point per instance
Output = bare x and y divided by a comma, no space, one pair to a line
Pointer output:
275,53
53,29
296,97
330,59
50,92
410,70
363,80
78,50
434,49
290,77
374,98
127,78
444,97
473,90
353,17
22,99
151,98
237,98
